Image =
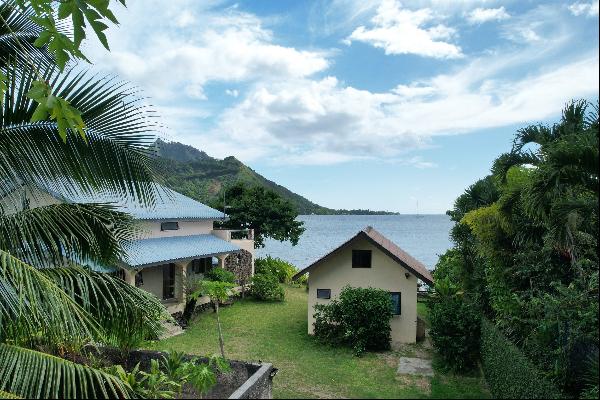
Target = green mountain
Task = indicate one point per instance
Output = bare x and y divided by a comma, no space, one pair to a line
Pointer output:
202,177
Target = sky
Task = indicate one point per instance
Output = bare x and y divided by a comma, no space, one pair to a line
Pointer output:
381,105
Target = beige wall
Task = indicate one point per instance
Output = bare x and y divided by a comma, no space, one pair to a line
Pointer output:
337,272
151,229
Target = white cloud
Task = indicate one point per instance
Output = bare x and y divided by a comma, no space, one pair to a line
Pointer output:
481,15
232,92
401,31
581,8
184,50
306,121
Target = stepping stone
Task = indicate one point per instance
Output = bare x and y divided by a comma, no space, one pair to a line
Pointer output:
415,366
170,330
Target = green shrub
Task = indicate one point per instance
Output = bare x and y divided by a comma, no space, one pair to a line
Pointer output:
359,318
455,327
266,287
220,275
283,270
509,374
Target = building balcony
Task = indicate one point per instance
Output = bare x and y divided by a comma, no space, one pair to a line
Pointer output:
234,234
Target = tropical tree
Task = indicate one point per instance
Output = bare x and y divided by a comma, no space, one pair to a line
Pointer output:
262,210
217,292
526,242
51,303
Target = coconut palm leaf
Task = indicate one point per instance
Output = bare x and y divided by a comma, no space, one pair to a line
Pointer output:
125,313
44,236
18,34
114,156
32,374
34,310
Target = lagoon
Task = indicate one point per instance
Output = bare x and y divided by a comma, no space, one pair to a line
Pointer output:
425,237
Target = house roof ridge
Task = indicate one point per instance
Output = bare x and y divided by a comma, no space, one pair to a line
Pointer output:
387,246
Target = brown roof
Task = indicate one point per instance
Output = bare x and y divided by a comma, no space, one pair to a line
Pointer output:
389,248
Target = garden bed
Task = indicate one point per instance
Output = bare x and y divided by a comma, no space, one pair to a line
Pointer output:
245,380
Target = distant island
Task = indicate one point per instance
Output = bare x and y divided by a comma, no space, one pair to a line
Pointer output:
202,177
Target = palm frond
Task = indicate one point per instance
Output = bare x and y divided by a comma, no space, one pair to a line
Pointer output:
6,395
34,375
18,34
34,310
115,155
44,236
125,313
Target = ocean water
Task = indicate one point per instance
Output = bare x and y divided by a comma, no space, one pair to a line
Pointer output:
425,237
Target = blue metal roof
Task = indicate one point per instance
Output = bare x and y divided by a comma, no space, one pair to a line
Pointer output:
145,252
168,203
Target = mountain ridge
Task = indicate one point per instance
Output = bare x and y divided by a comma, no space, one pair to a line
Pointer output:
196,174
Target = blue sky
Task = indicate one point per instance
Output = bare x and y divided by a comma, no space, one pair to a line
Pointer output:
357,103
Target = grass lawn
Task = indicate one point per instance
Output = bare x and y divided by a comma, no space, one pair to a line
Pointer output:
276,332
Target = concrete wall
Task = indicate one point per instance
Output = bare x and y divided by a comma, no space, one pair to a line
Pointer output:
337,272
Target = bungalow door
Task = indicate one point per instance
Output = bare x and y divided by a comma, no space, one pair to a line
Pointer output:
168,281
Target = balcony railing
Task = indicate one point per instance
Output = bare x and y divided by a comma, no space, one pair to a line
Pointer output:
234,234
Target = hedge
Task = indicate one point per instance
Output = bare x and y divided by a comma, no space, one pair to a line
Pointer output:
509,374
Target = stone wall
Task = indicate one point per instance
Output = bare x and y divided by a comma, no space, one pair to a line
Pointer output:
240,264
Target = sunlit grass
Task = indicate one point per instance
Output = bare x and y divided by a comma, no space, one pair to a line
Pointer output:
277,333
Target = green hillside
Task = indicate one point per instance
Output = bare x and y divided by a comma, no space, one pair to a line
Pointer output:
197,175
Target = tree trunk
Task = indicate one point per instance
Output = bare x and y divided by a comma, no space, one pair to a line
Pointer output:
220,333
188,311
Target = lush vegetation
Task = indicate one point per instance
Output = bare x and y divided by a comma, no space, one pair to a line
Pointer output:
167,378
283,270
220,275
266,287
277,333
509,374
262,210
526,240
75,130
455,324
359,318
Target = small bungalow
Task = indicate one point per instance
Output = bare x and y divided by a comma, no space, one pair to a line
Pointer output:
177,239
370,260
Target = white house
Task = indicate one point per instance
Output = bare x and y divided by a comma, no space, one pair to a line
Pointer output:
370,260
177,237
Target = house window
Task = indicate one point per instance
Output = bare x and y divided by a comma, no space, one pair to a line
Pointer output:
139,279
202,265
361,258
396,303
168,281
169,226
323,293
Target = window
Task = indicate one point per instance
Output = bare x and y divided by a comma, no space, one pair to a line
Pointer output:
139,279
396,303
169,226
168,281
202,265
323,293
361,258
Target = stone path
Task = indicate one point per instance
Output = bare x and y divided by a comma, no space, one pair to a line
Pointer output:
415,366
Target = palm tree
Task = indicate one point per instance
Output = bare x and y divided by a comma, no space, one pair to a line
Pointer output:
51,304
562,193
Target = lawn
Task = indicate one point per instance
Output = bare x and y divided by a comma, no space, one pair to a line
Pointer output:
276,332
